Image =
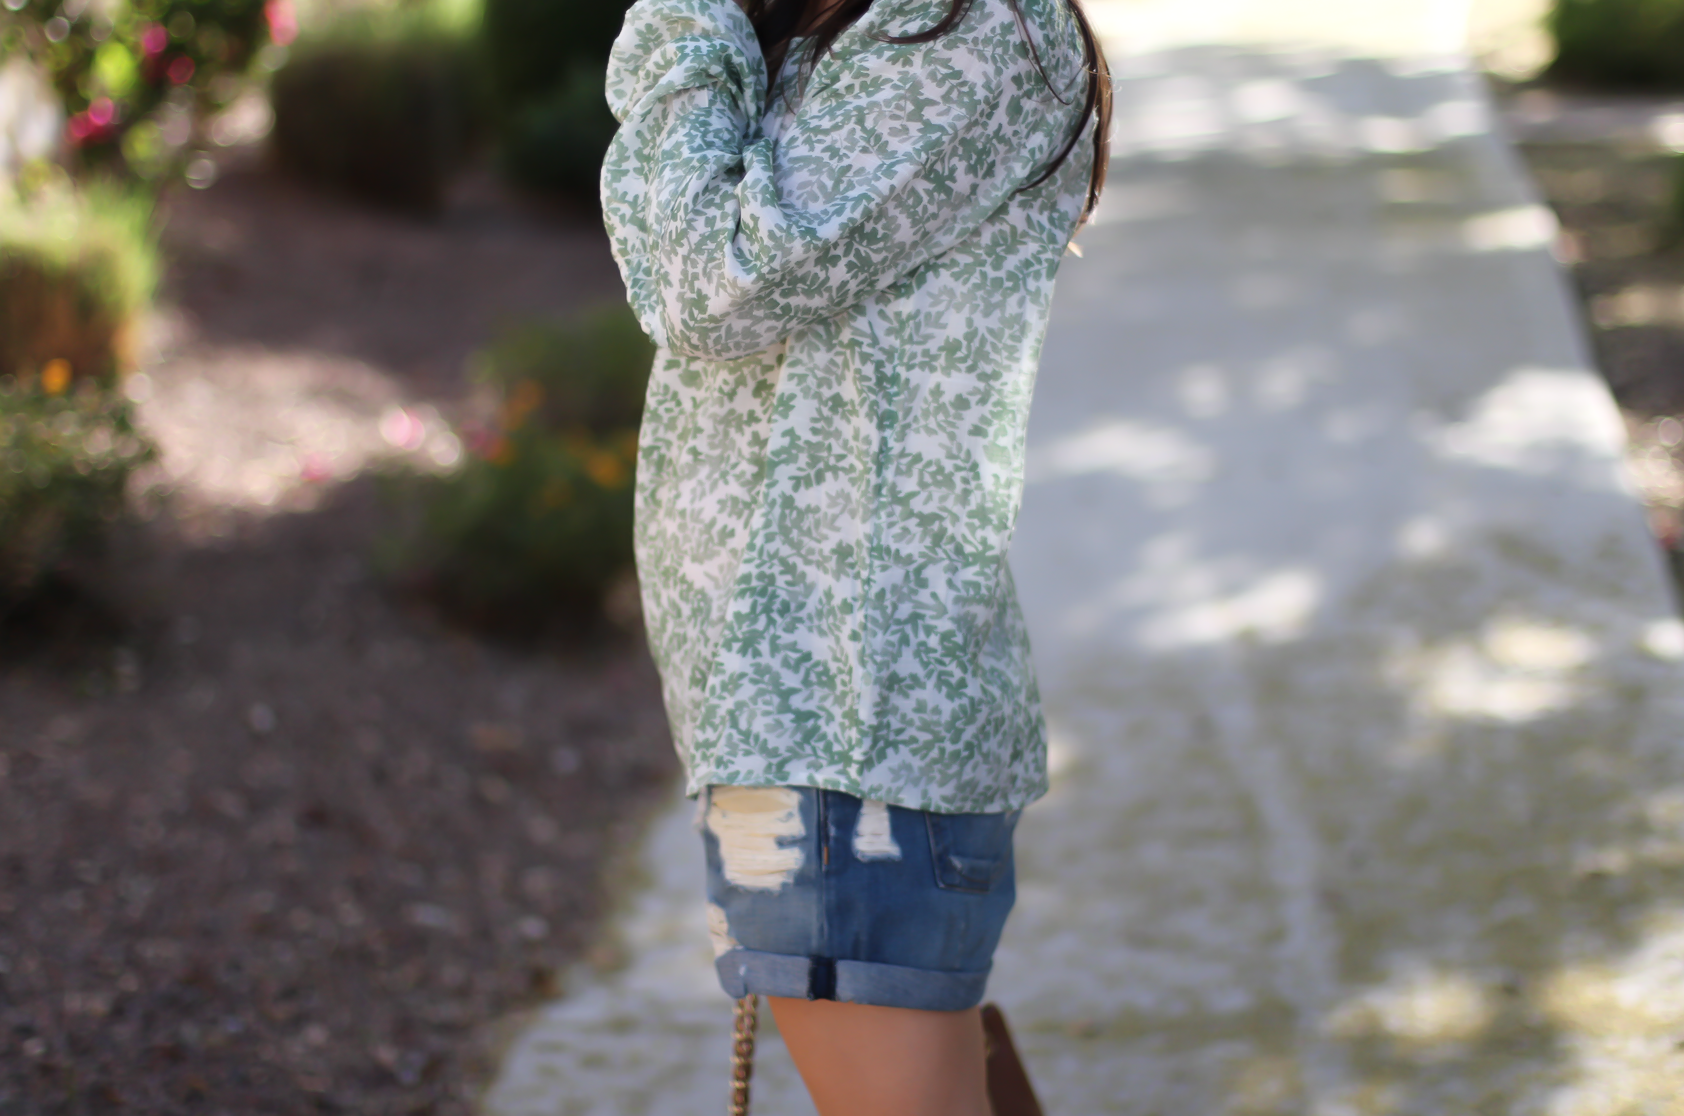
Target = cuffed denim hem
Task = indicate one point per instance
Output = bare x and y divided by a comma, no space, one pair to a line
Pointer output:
747,971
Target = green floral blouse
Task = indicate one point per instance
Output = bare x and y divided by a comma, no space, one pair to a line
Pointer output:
848,293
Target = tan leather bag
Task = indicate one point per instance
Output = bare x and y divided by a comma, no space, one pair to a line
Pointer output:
1009,1090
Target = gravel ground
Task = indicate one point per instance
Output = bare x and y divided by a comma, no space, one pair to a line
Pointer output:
306,842
1627,262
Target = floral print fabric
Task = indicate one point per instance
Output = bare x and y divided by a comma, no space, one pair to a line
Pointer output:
848,293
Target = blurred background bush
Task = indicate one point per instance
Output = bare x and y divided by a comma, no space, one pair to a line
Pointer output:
535,44
535,526
548,60
387,105
137,78
76,269
1619,44
103,106
389,102
1674,232
554,141
67,449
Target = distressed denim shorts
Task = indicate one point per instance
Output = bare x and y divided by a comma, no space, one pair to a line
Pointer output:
815,894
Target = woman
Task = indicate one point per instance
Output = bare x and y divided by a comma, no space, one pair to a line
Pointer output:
840,221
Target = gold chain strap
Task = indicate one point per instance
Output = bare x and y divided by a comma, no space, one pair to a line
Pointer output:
746,1018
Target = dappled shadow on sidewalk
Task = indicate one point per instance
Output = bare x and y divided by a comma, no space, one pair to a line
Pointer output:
1364,672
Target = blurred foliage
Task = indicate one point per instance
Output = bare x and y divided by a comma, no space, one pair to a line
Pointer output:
1619,44
76,268
535,525
1672,222
136,76
384,104
555,142
67,447
534,45
388,102
547,62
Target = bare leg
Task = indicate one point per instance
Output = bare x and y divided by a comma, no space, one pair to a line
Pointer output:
863,1060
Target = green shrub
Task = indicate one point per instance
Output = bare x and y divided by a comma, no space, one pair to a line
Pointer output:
1619,44
130,72
76,268
547,59
535,525
65,458
382,105
556,143
1672,221
533,45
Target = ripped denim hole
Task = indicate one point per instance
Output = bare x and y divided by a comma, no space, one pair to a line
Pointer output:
750,824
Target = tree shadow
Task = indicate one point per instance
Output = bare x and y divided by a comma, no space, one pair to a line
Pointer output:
1363,669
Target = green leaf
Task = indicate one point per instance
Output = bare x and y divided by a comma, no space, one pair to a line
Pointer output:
115,68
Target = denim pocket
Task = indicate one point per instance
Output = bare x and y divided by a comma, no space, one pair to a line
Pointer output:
971,852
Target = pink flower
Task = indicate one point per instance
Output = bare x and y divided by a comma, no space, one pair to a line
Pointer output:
88,127
102,112
315,468
403,429
283,21
181,70
153,40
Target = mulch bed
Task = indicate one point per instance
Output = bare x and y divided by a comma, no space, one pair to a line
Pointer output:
1625,255
276,838
1612,203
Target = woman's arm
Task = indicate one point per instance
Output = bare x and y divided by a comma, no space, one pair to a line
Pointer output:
898,151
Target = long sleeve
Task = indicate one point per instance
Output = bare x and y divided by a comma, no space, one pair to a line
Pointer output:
849,288
729,243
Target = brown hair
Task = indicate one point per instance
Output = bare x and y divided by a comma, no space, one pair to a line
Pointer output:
776,22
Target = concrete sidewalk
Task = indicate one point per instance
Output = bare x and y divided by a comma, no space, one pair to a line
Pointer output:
1364,680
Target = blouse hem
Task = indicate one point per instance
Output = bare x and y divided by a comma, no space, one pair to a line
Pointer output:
1006,800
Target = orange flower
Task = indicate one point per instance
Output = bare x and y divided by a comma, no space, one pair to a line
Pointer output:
55,378
557,493
604,468
525,399
501,451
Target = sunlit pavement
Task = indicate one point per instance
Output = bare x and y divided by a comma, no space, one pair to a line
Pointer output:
1364,679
